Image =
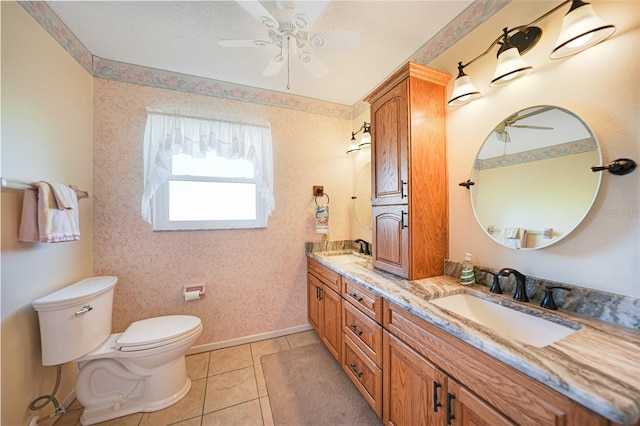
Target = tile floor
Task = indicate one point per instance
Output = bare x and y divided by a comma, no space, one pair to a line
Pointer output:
227,388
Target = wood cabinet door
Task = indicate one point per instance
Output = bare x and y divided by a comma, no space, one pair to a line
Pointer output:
391,239
390,138
463,408
332,321
414,390
314,287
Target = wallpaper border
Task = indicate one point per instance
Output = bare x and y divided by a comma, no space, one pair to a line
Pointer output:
474,15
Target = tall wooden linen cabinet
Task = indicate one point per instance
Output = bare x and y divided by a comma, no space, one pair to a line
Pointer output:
409,173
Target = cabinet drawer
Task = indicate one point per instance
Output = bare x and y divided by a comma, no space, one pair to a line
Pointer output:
363,331
324,274
363,373
363,299
522,399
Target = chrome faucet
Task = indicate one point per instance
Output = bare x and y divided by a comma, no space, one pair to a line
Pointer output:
520,293
367,246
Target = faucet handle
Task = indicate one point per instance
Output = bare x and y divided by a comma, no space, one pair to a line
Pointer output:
495,286
548,301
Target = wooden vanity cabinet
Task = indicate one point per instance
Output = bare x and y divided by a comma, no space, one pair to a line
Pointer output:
477,388
409,175
362,341
324,306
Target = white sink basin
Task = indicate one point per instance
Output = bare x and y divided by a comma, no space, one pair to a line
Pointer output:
346,258
509,323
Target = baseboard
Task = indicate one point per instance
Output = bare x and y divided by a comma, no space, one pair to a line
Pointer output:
248,339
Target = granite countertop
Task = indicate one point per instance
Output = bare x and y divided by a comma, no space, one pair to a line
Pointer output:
597,366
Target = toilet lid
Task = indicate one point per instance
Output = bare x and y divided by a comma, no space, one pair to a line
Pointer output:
159,331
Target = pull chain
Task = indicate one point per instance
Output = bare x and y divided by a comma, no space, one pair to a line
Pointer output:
288,52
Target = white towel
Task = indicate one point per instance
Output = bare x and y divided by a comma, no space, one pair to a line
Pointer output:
322,219
511,237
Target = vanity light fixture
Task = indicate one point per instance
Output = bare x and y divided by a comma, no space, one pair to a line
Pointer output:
581,29
365,140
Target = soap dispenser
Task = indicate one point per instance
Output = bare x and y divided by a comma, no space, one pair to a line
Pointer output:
467,277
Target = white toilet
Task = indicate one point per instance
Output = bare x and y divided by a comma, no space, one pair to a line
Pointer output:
142,369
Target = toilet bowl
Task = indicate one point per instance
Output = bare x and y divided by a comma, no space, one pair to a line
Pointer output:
140,370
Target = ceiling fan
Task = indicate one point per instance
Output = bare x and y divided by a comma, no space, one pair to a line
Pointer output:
501,130
291,34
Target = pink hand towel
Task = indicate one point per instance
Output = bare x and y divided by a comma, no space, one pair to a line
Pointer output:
29,221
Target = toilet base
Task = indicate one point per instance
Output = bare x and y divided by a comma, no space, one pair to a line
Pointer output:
132,406
107,390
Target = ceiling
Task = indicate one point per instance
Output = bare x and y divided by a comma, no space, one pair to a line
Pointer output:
182,37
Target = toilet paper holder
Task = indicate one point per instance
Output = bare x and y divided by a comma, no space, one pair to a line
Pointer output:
189,291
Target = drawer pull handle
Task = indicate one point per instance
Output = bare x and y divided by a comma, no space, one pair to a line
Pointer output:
355,296
436,403
355,370
450,415
402,193
404,225
83,310
320,293
355,330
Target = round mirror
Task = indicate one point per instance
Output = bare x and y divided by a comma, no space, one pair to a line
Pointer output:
363,197
533,178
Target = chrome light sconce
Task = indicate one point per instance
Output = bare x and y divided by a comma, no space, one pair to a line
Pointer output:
365,140
581,29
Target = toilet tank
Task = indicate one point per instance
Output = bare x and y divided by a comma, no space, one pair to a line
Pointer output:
76,319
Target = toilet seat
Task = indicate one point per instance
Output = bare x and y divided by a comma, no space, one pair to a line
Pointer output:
155,332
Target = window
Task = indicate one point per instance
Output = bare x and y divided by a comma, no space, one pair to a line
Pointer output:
206,174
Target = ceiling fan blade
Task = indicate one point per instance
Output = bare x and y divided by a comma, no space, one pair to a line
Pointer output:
314,65
243,43
524,126
274,66
259,13
515,117
346,40
307,12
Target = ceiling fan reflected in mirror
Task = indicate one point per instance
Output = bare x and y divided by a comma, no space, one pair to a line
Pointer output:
291,34
501,130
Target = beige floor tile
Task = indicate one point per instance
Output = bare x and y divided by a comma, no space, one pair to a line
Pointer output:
190,406
262,385
245,414
267,417
228,389
302,339
229,359
197,365
131,420
270,346
196,421
70,418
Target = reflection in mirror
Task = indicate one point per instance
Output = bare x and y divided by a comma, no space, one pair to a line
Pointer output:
533,182
362,195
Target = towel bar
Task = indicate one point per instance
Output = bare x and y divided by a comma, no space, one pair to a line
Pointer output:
12,184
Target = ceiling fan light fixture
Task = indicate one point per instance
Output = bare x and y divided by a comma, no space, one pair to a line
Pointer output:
581,29
464,90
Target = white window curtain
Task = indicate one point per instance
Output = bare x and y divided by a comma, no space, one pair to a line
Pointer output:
168,134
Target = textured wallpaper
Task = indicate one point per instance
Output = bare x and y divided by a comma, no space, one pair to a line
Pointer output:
256,279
